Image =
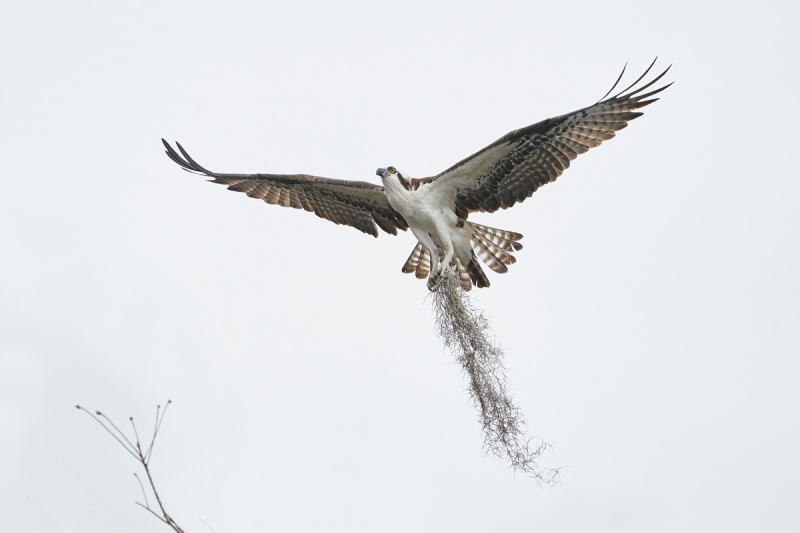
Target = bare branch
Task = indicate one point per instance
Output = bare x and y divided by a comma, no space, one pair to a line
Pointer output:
125,444
142,457
144,493
136,434
159,420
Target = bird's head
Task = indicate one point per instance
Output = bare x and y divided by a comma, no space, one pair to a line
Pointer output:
395,176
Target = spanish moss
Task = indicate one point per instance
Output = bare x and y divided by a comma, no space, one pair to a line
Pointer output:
466,332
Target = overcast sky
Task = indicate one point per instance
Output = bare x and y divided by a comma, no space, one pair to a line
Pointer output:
650,322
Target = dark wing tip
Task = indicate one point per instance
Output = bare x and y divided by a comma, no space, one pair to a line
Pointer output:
185,162
632,90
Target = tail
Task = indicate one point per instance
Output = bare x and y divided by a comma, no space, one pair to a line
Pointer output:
494,246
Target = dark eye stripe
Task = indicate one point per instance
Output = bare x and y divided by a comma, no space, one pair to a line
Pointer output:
407,185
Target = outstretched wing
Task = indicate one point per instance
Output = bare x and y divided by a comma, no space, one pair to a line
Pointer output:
512,168
359,204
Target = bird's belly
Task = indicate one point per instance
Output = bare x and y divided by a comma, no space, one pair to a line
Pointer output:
444,228
421,217
426,215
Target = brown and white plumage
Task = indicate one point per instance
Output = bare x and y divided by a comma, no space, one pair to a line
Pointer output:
493,246
359,204
436,208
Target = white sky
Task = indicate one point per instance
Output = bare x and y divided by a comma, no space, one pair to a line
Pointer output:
651,321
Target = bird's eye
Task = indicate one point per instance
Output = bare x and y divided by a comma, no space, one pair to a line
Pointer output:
392,170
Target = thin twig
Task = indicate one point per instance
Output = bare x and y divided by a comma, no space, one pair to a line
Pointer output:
138,446
142,457
144,493
156,425
126,444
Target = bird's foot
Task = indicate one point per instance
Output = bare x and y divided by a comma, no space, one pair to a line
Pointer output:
435,279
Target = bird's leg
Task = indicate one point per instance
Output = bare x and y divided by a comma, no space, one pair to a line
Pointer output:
448,258
438,272
435,278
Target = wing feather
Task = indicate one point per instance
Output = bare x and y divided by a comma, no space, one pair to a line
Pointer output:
359,204
512,168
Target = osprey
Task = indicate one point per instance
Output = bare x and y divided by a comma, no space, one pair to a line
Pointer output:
436,208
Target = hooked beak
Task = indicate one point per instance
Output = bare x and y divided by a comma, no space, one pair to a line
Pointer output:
382,173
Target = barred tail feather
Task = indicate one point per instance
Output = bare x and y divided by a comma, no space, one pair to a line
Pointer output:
494,246
466,276
419,262
476,273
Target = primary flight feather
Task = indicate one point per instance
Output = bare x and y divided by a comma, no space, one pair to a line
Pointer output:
436,208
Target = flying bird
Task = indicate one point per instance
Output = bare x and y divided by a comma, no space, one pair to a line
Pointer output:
436,208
